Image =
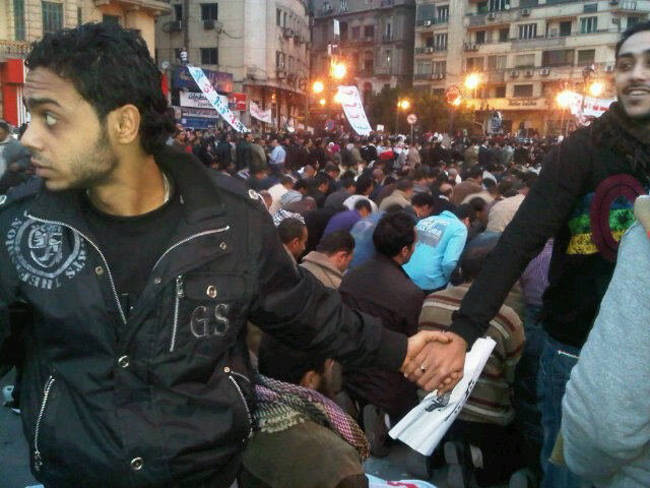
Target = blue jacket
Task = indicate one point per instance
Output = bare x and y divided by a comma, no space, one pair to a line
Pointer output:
440,243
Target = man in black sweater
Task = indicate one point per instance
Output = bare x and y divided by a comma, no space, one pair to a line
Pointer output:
582,198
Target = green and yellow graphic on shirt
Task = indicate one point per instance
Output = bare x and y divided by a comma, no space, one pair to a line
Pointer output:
621,217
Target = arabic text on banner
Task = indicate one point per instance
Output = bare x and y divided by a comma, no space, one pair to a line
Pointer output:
263,115
212,96
353,109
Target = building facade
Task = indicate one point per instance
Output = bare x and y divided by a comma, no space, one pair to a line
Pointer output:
262,45
376,41
525,53
25,21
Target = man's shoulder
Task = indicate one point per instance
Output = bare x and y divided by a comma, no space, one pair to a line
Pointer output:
21,193
237,190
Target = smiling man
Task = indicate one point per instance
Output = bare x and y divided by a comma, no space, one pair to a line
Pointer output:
582,198
142,268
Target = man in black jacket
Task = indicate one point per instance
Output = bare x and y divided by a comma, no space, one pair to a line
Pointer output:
142,267
582,198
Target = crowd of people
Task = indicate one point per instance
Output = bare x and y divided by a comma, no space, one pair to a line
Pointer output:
199,307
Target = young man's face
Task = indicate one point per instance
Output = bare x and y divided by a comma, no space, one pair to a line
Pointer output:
69,145
632,77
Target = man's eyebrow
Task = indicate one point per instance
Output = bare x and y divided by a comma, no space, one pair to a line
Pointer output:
631,55
32,103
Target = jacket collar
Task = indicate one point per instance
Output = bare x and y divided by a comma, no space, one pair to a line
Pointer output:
321,260
201,200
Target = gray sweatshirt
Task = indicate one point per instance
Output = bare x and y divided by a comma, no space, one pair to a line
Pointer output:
606,408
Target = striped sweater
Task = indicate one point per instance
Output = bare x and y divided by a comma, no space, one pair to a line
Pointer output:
490,402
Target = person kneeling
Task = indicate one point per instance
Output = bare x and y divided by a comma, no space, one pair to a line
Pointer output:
302,437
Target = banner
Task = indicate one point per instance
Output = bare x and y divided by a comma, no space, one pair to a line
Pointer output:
263,115
353,109
593,107
221,81
426,424
211,94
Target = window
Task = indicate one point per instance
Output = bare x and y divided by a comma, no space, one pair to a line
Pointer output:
588,25
525,61
388,57
496,63
52,17
590,8
440,67
523,91
279,60
632,21
586,57
343,28
178,12
79,16
278,17
388,32
565,28
500,91
498,5
562,57
356,32
369,31
19,20
503,35
368,62
482,7
480,37
290,63
440,42
426,12
423,68
474,64
209,11
209,55
110,19
428,42
527,31
284,19
443,13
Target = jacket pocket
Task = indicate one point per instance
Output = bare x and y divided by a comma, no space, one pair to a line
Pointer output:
207,311
47,392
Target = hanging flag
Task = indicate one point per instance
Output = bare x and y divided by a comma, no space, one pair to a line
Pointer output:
350,100
211,94
263,115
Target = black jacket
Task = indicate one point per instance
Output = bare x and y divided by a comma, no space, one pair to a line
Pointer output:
557,205
163,396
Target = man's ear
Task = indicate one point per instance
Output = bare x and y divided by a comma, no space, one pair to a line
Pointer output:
311,379
123,124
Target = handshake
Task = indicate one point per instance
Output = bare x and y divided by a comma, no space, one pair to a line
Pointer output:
435,360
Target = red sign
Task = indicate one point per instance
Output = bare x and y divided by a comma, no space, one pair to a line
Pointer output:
237,101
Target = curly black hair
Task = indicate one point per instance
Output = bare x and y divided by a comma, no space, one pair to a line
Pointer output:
110,67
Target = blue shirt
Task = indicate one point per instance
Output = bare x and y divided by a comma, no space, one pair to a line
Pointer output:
364,248
440,243
278,155
342,221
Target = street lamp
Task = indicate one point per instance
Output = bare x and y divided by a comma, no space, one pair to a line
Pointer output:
472,82
563,99
322,102
318,87
596,89
339,70
402,104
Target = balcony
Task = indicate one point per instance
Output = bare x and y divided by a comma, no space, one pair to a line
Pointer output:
539,42
429,76
386,38
493,18
623,7
424,23
430,49
154,6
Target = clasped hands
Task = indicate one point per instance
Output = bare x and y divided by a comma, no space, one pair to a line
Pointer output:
435,360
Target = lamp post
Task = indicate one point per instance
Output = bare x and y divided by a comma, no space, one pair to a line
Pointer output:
402,104
563,100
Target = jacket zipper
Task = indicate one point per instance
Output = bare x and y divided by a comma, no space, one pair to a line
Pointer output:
101,254
243,399
187,239
177,301
38,460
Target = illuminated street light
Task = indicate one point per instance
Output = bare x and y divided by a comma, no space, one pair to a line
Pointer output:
404,104
563,98
339,70
472,81
456,101
322,102
318,87
338,98
596,89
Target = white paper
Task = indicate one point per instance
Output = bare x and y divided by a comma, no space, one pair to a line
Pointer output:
423,427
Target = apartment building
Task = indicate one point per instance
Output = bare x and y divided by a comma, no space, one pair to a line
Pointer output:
376,41
257,49
25,21
524,51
